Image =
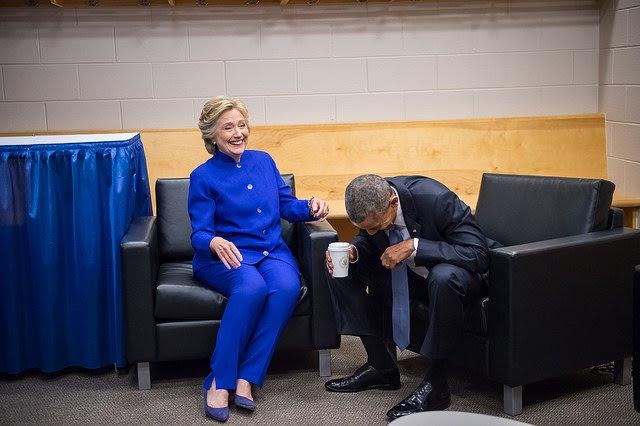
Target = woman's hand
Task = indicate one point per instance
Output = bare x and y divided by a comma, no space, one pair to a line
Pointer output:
319,208
226,251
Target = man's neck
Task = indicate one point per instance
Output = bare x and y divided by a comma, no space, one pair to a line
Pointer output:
399,219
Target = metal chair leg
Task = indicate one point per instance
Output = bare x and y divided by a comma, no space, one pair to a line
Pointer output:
622,372
512,400
144,376
324,362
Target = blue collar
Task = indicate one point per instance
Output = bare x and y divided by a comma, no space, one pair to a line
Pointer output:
227,158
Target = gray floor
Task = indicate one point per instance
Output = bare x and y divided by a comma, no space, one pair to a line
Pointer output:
294,394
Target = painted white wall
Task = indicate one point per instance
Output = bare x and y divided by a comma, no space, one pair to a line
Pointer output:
620,91
128,68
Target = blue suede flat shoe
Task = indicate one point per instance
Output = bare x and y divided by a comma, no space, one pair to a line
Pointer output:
244,402
219,414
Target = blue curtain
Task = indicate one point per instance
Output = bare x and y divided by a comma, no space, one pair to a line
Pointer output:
63,210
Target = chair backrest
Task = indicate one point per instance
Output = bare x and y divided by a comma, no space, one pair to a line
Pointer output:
174,225
516,209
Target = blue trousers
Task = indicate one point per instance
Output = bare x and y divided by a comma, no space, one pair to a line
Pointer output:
261,299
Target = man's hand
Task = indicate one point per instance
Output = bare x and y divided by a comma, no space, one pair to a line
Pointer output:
397,253
352,258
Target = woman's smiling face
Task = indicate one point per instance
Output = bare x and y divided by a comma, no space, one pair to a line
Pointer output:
232,133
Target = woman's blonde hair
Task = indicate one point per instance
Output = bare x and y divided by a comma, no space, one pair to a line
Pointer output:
211,112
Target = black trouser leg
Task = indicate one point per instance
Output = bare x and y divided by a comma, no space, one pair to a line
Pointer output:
449,290
378,355
359,300
437,372
354,309
361,305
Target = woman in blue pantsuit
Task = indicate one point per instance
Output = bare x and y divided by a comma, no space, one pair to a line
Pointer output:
236,200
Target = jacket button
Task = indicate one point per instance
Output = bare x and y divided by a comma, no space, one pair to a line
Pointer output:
249,186
238,165
264,232
266,253
259,210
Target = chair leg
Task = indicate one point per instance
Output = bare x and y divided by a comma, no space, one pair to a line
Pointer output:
622,372
144,376
324,362
512,400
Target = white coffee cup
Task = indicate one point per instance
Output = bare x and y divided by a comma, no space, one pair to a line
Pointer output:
339,253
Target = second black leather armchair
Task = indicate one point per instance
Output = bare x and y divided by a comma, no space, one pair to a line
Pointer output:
560,289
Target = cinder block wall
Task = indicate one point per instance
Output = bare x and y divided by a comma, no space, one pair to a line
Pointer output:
620,91
128,68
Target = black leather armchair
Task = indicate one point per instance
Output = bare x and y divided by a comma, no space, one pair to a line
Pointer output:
171,316
560,289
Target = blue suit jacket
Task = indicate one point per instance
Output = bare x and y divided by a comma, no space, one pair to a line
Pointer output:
243,203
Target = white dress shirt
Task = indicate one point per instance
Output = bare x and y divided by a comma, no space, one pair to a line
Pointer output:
402,226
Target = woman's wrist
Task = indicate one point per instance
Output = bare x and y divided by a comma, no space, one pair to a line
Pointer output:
309,204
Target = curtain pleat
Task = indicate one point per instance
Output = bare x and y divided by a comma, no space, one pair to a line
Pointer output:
63,210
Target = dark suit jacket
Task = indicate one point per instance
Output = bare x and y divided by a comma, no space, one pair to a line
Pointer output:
446,228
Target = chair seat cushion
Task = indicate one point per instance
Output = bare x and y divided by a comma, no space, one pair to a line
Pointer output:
179,296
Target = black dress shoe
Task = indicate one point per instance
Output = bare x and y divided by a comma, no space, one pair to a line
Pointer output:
365,378
426,397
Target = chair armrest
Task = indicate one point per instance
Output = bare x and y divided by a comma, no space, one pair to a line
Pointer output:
616,218
313,240
139,254
561,305
635,365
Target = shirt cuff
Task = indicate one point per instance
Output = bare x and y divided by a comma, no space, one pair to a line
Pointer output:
415,249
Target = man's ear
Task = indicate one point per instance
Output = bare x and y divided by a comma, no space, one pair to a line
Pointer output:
394,201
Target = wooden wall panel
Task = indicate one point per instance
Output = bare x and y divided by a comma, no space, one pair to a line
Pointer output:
324,158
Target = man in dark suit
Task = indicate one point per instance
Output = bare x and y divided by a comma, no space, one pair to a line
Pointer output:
417,239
